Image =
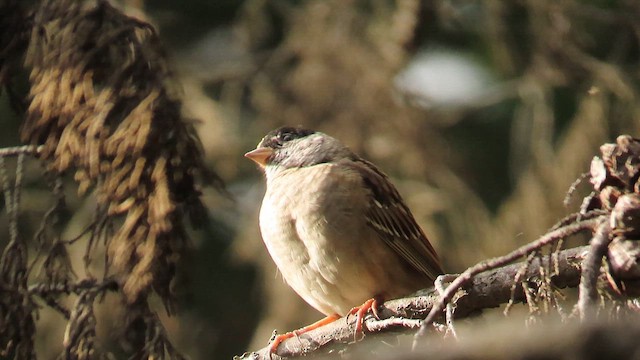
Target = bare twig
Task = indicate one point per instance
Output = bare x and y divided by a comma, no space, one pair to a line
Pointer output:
591,269
574,187
517,281
18,150
579,216
76,288
8,199
439,285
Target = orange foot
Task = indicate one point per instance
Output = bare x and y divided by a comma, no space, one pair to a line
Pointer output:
361,311
282,337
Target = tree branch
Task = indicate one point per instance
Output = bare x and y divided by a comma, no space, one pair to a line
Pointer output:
486,290
550,237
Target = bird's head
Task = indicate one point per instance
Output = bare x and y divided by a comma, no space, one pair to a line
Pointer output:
294,147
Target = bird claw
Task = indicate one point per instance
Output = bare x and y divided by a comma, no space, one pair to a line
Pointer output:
361,311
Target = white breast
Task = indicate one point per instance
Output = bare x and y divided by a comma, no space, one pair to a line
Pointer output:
314,229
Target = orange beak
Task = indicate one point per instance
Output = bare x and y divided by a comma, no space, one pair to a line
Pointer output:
259,155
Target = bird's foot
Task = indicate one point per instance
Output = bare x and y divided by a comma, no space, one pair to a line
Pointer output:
361,311
282,337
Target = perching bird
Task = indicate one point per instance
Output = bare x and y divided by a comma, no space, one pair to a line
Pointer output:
336,227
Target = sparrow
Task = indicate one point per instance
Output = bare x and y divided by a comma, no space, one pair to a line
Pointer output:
337,228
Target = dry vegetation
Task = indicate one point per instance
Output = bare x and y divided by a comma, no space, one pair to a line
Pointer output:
97,201
100,107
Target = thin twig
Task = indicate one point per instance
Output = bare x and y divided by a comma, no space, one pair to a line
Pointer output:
8,198
577,217
67,288
588,292
574,187
439,285
518,280
17,192
531,300
21,150
554,256
55,305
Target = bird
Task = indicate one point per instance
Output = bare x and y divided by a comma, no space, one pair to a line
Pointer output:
337,228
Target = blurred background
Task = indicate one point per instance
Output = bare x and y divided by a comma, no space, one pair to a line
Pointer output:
483,113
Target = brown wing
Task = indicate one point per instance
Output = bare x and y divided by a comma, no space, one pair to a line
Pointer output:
393,221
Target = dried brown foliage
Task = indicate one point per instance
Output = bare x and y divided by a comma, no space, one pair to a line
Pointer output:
103,105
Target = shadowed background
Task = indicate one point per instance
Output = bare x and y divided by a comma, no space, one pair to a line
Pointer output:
483,113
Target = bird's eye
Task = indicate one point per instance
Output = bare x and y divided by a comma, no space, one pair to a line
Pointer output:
284,137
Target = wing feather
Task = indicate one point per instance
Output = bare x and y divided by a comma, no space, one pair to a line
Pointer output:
393,221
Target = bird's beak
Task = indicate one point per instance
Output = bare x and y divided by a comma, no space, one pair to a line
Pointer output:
259,155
